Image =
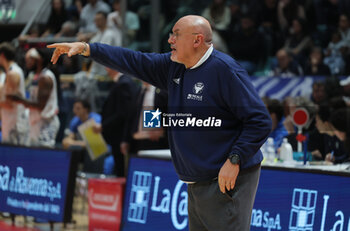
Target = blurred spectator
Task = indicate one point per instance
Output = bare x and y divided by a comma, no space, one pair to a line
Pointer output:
268,19
278,132
57,17
315,65
115,22
247,6
116,111
326,144
344,29
345,84
344,6
340,120
68,29
14,117
327,13
318,94
286,66
86,86
299,42
247,45
150,98
104,35
70,65
218,15
34,32
43,103
334,57
287,11
82,113
74,10
235,14
87,17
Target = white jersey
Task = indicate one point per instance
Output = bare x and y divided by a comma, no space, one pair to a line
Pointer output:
40,120
14,124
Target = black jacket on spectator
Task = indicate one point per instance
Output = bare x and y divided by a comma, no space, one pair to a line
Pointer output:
161,102
115,113
321,70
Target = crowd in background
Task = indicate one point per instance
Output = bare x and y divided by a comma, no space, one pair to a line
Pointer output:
281,38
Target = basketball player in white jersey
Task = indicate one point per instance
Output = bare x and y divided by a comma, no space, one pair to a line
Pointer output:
14,117
43,102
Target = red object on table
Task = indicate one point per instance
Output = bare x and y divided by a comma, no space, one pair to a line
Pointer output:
105,203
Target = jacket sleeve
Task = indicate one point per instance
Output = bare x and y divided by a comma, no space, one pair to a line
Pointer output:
246,106
149,67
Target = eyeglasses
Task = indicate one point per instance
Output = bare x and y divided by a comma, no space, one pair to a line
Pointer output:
176,35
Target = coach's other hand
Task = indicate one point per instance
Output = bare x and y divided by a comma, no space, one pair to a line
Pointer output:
227,176
76,48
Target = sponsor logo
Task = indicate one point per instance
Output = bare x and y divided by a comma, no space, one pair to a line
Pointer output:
151,118
163,200
302,214
139,197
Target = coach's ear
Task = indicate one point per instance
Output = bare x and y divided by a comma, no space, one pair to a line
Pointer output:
199,40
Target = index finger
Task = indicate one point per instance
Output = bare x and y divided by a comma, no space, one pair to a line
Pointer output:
55,45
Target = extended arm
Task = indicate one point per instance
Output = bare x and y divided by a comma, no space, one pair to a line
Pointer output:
150,67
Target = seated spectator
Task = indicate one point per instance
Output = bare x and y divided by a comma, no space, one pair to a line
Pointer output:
74,10
345,84
278,132
218,15
327,13
68,29
57,17
82,113
298,43
132,23
269,25
87,26
340,120
287,11
246,45
315,65
344,29
103,35
327,145
319,93
334,54
286,67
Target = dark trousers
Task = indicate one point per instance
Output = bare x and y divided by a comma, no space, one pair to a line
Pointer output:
119,160
211,210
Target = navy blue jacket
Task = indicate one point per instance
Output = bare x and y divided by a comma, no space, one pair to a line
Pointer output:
218,89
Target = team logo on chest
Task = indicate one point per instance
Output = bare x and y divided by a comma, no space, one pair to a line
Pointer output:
197,90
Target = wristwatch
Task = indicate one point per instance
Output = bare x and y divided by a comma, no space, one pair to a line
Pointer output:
234,159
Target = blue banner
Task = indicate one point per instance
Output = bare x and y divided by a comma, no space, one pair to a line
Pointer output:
33,182
287,199
155,198
301,201
281,87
